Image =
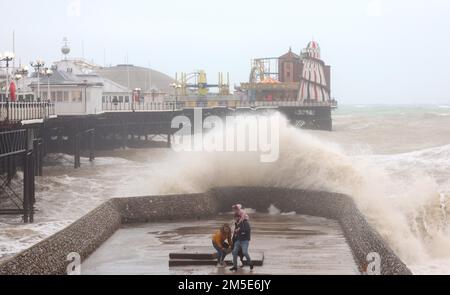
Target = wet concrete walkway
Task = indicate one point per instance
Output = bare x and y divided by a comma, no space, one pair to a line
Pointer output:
292,244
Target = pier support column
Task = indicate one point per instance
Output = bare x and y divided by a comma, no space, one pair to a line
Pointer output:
92,145
28,187
77,151
124,136
37,151
169,140
60,141
46,139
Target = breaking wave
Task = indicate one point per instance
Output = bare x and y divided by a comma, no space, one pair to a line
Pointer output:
404,196
407,209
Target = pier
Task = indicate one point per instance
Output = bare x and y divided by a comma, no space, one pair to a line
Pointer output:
28,131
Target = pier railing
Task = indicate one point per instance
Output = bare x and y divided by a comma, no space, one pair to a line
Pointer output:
140,106
172,105
22,111
17,194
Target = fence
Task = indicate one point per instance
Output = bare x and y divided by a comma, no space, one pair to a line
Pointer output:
172,105
16,192
20,111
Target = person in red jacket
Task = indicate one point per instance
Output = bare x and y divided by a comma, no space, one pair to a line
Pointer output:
12,92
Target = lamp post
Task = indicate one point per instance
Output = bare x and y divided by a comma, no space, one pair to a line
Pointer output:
17,78
176,87
23,72
48,73
7,57
37,65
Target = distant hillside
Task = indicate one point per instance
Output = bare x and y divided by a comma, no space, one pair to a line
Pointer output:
137,77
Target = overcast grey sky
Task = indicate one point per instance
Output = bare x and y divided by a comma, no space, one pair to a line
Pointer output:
381,51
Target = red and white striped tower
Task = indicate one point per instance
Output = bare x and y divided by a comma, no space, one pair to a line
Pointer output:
313,82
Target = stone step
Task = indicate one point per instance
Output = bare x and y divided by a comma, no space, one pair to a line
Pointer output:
197,253
205,256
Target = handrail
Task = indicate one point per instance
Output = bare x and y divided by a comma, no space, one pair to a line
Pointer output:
172,105
20,111
12,142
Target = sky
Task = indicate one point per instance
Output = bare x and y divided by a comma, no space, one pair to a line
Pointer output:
381,51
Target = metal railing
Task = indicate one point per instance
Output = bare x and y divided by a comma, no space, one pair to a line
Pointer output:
140,106
12,142
172,105
20,111
17,194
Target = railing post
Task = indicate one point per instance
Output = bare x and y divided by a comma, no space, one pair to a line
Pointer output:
31,200
26,185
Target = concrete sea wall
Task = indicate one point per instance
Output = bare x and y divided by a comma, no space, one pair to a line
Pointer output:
83,237
88,233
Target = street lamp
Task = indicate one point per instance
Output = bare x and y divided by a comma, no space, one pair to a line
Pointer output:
23,72
176,86
37,65
17,78
48,73
7,57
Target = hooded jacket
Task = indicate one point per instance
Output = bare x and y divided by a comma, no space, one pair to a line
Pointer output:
242,231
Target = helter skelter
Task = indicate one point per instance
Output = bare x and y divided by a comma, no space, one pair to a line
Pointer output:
314,80
290,77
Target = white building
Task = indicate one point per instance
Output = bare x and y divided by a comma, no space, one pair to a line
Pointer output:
79,87
76,89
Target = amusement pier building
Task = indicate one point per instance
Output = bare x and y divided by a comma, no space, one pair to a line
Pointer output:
290,77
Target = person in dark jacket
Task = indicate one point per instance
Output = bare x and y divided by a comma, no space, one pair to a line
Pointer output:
234,239
242,237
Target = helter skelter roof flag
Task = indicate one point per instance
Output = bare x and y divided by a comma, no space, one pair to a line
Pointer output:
313,84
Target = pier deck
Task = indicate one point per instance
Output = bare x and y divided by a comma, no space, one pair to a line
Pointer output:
294,244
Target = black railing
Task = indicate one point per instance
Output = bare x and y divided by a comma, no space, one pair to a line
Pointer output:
12,142
17,194
22,111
